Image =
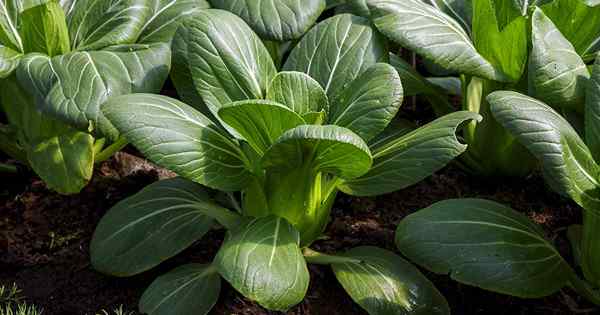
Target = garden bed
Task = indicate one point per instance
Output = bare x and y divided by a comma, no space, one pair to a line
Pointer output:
47,236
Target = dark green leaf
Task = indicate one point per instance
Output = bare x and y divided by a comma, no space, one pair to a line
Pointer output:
166,16
176,136
485,244
404,160
337,51
567,163
191,289
369,103
385,284
151,226
97,24
263,261
432,34
278,20
330,149
223,57
557,75
459,10
72,87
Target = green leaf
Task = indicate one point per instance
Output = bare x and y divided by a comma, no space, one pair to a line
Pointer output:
578,22
337,51
383,283
485,244
61,156
191,289
369,103
592,112
166,16
330,149
356,7
505,47
96,24
405,160
506,11
557,75
460,10
44,29
298,91
176,136
223,57
151,226
263,261
567,163
9,60
9,26
433,34
280,20
260,122
72,87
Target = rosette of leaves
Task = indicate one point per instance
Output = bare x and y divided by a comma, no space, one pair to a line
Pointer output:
60,60
491,246
497,45
264,153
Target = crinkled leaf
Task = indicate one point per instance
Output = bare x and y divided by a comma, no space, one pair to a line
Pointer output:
72,87
166,16
506,48
407,159
278,20
223,57
432,34
592,112
557,75
369,103
330,149
177,137
298,91
260,122
385,284
567,163
578,22
485,244
151,226
191,289
97,24
337,51
263,261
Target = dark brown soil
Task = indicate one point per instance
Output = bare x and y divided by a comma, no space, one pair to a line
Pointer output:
44,240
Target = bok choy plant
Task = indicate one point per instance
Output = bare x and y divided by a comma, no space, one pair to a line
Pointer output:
60,60
287,141
498,45
491,246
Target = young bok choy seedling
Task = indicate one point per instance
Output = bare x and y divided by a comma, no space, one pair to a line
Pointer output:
288,141
60,60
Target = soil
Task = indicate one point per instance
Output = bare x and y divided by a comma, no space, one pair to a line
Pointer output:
45,237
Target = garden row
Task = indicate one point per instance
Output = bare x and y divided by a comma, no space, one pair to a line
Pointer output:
284,104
